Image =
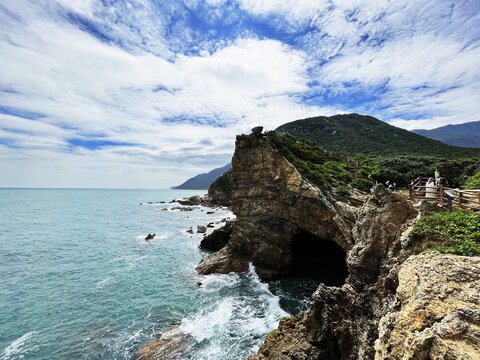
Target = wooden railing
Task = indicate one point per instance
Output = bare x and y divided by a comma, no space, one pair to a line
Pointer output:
469,199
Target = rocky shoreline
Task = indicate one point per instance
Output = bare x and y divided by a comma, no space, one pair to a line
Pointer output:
392,305
387,302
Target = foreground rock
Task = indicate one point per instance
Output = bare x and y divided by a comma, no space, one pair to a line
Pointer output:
438,314
169,344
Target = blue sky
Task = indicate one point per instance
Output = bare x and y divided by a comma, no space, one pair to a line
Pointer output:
146,93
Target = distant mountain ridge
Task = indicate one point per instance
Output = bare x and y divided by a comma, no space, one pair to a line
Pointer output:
465,135
352,134
203,181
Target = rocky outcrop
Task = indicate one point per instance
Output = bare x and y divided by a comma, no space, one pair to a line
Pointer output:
220,191
438,310
273,203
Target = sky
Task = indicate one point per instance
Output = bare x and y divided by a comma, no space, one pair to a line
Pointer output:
147,93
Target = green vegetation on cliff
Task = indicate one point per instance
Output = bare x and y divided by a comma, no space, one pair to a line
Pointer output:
404,169
457,232
322,168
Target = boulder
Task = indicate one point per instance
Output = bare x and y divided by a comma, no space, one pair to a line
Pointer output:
201,229
218,238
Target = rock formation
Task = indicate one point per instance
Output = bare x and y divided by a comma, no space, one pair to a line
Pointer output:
273,204
426,307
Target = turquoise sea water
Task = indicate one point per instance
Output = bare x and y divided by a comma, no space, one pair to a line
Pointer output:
78,280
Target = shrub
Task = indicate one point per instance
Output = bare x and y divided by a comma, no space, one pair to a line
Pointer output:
457,232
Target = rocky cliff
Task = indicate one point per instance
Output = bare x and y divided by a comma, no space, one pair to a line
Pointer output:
382,306
275,206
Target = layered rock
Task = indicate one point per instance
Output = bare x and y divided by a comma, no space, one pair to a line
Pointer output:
272,203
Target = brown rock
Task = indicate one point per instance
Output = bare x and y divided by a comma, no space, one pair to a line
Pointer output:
218,238
169,344
201,229
439,313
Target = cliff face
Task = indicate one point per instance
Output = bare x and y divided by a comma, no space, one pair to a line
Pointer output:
375,311
273,205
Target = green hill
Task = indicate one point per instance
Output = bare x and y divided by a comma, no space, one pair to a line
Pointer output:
466,134
385,151
352,134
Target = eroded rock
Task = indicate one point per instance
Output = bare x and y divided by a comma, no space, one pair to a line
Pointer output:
218,238
439,310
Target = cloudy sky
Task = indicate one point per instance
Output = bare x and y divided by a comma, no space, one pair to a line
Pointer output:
146,93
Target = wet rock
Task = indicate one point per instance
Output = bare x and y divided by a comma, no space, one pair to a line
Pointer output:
190,230
150,237
201,229
193,200
164,209
173,201
210,212
218,238
169,344
140,204
210,225
183,208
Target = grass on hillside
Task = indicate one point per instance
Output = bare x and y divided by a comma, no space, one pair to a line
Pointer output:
457,232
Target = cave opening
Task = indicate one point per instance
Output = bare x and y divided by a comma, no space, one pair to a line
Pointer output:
318,259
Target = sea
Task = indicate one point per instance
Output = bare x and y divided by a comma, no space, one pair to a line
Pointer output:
79,281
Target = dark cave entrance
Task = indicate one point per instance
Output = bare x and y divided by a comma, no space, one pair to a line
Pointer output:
318,259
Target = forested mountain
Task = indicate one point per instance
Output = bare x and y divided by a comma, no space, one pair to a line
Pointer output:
352,134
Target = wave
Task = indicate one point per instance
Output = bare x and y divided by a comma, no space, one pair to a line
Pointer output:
233,324
16,348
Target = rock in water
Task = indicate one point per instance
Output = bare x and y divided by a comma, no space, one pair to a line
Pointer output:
218,238
201,229
150,237
169,344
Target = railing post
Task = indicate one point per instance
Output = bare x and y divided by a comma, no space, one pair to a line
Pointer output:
460,196
410,190
441,195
